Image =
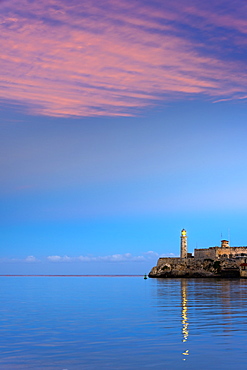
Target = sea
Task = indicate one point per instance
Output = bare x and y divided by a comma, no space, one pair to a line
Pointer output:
122,322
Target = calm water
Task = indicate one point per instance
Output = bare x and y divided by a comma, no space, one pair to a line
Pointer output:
122,323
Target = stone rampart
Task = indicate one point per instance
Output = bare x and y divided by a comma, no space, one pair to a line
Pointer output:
163,260
217,252
174,260
205,253
231,252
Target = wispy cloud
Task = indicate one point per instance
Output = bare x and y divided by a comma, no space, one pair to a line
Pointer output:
64,58
31,259
126,257
151,254
28,259
59,259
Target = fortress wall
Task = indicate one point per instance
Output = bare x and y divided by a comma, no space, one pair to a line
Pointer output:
231,252
169,260
209,253
205,253
217,252
174,260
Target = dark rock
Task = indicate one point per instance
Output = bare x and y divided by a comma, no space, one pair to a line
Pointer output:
196,267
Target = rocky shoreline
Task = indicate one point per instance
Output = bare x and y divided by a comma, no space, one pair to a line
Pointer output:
197,268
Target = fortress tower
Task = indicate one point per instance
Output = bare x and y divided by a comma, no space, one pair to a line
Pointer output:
183,244
225,244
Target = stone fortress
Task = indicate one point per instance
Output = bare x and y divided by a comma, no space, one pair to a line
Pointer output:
223,261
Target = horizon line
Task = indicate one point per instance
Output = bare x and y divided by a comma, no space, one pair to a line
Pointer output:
69,275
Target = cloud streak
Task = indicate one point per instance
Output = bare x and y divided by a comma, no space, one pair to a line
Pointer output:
63,58
116,258
28,259
126,257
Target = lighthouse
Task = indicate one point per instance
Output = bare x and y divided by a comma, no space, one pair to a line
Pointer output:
183,244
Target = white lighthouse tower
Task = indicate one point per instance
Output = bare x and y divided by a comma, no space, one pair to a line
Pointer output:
183,244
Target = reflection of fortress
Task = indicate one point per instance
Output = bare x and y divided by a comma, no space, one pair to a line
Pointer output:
223,261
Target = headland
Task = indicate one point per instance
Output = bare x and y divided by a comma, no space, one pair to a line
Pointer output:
224,262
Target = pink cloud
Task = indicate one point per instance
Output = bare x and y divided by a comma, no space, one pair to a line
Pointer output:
74,59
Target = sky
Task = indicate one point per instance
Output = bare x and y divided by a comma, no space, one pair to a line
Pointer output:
121,124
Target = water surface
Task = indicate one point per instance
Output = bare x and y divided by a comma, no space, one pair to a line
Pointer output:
122,323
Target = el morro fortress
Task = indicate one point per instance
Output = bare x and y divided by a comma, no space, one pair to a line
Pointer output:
224,261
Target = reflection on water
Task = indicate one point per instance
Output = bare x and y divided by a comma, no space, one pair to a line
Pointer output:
122,323
184,306
212,316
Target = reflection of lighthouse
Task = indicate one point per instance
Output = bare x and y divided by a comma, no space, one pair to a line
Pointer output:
185,323
183,245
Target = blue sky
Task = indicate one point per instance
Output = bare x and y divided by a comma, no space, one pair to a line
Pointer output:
118,130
